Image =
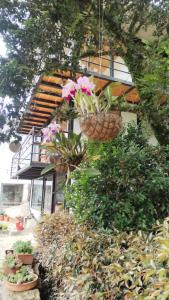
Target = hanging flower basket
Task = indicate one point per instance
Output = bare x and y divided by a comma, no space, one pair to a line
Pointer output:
65,152
100,118
102,126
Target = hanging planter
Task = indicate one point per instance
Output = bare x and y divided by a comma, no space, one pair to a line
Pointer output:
101,127
65,152
100,118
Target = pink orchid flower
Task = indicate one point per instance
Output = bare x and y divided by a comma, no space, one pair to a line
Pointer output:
53,127
47,136
85,85
69,90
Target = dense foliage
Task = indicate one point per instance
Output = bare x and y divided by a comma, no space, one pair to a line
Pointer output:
131,191
37,32
102,265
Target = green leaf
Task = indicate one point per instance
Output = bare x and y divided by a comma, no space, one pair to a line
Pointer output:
91,171
48,168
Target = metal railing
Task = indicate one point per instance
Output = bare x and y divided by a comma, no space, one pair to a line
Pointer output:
106,67
29,152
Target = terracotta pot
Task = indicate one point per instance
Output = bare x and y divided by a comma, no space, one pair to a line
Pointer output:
1,217
26,259
19,226
8,270
101,126
6,218
23,286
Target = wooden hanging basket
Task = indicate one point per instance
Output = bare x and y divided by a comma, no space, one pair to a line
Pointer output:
102,126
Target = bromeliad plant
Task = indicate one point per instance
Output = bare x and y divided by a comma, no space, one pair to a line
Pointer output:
100,118
66,151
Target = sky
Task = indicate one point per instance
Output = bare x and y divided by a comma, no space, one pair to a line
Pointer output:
5,153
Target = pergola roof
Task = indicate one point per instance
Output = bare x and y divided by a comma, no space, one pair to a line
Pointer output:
47,96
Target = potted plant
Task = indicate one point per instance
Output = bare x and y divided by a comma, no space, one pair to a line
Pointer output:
24,251
100,117
66,152
11,264
2,213
23,280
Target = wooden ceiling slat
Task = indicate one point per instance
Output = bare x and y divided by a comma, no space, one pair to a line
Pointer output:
52,84
42,109
36,116
120,89
51,89
53,79
35,119
44,106
44,103
36,112
133,96
32,122
47,97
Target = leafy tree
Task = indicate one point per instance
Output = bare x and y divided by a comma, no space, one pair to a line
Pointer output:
37,32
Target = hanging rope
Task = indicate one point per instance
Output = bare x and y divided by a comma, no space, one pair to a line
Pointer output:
101,28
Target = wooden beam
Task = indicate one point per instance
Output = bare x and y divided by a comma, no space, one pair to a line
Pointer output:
38,112
34,119
44,103
52,84
51,89
36,116
47,97
43,107
53,79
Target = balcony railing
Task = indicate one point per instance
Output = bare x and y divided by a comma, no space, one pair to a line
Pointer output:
29,153
106,67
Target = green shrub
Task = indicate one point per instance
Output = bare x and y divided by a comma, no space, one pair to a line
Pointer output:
131,191
105,265
23,247
53,228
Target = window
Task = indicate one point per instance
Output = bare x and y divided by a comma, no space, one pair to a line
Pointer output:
37,193
11,194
